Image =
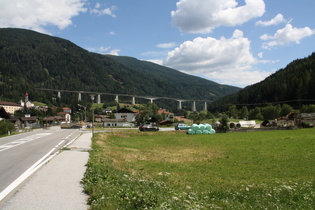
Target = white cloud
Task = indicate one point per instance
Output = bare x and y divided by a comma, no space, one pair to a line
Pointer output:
35,15
286,36
166,45
202,16
104,50
157,61
224,60
264,61
107,11
97,5
275,21
244,78
114,52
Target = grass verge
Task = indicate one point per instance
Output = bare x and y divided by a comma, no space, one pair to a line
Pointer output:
171,170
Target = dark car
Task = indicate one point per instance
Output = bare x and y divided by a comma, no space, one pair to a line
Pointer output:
148,127
182,126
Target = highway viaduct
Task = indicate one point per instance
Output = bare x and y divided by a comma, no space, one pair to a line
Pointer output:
133,97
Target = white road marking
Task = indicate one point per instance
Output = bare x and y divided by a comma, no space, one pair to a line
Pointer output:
46,158
29,172
22,141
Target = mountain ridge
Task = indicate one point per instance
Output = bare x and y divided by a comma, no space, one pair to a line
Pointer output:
30,60
294,84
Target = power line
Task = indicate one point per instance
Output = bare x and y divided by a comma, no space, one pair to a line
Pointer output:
274,102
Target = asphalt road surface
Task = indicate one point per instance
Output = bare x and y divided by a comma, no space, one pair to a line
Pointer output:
22,154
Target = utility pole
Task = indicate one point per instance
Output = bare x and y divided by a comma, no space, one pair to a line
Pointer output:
84,107
92,99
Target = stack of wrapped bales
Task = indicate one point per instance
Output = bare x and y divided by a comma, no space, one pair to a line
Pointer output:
201,129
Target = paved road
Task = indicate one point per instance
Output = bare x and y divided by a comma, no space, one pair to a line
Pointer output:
56,185
23,154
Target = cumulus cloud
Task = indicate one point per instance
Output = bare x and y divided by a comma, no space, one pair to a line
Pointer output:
274,21
104,50
35,15
286,36
107,11
227,61
202,16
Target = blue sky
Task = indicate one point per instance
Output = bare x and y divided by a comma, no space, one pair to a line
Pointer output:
234,42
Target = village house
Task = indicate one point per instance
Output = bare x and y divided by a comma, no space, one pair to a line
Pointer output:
124,113
100,118
108,111
169,116
65,116
66,109
307,119
19,122
117,123
10,107
53,120
29,121
16,121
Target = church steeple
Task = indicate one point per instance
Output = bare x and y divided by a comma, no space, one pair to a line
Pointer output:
26,98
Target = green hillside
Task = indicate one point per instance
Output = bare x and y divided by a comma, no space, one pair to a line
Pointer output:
294,85
191,84
30,60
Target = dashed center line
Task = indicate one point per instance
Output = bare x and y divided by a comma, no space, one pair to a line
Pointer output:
22,141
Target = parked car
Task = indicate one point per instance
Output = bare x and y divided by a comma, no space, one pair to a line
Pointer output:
148,127
182,126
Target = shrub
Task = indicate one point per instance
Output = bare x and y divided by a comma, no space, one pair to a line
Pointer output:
6,126
224,123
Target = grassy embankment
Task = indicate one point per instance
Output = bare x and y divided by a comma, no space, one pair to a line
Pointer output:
173,170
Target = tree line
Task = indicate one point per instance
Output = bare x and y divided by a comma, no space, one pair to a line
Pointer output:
269,112
294,84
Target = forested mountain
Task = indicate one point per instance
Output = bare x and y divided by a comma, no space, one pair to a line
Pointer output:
30,60
294,85
178,80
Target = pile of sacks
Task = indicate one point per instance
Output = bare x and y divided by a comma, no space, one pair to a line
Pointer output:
201,129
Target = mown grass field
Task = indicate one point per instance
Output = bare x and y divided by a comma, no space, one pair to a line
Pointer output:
173,170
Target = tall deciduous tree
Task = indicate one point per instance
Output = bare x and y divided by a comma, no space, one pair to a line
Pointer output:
285,109
244,113
224,122
147,112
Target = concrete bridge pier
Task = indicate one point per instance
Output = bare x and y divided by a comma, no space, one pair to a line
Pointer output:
79,97
59,95
179,104
206,108
116,99
98,98
194,106
133,101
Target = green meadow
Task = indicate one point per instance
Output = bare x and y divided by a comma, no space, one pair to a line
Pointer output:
172,170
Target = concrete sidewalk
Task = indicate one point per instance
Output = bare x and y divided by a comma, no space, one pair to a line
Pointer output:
57,184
